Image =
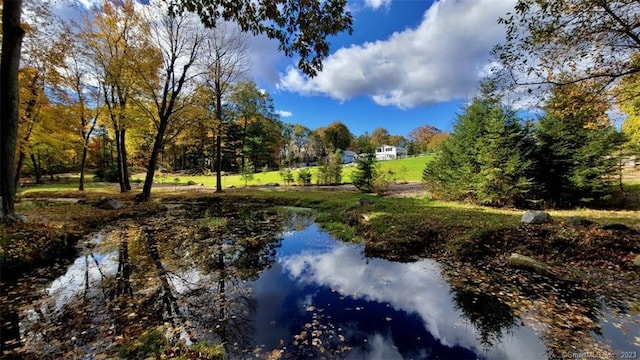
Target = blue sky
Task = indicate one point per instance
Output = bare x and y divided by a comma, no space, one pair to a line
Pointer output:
408,63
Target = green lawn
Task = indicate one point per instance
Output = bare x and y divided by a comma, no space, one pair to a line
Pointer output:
404,170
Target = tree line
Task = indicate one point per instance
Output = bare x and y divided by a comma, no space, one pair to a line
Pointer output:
152,70
576,61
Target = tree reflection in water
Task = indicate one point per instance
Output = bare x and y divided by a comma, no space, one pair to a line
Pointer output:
188,272
229,249
490,316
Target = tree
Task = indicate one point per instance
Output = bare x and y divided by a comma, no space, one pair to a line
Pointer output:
486,158
12,34
300,142
363,144
43,52
626,94
380,136
178,41
85,99
253,108
365,172
110,37
301,27
335,136
575,145
436,140
227,49
330,172
421,137
586,39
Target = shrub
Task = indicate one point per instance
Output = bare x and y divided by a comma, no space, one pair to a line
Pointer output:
304,177
109,174
287,176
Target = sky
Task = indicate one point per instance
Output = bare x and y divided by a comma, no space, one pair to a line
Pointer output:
408,63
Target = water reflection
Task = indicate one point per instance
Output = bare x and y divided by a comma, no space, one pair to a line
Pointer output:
381,308
266,283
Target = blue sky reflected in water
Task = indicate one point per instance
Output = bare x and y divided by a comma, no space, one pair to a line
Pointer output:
384,310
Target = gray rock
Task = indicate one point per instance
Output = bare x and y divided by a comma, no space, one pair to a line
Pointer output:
579,221
525,262
636,261
536,217
111,204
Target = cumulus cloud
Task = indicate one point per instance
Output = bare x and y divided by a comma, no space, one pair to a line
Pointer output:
415,288
440,60
284,113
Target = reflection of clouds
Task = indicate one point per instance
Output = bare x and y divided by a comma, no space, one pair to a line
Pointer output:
411,287
85,269
379,348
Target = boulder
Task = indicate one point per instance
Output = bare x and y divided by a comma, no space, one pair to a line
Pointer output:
636,261
579,221
191,183
525,262
536,217
110,204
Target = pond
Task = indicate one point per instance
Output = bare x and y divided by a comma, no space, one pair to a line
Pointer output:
267,283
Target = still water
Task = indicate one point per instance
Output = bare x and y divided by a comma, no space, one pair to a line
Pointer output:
267,284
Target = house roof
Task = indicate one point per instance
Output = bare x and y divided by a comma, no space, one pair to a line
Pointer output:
396,147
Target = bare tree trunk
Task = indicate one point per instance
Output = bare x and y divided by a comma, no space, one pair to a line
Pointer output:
83,164
219,158
120,161
12,35
49,166
157,145
125,165
18,173
36,169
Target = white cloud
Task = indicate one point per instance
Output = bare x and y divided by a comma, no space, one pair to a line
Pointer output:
284,113
415,288
440,60
376,4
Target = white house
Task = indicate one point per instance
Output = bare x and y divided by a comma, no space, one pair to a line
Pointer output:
348,157
388,152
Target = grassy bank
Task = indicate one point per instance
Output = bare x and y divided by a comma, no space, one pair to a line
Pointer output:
399,228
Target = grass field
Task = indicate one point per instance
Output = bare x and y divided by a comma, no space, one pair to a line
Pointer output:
404,170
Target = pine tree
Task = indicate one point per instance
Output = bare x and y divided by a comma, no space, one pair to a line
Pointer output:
486,158
365,172
575,148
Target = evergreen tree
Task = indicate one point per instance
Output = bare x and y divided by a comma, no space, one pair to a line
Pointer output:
575,148
486,158
365,172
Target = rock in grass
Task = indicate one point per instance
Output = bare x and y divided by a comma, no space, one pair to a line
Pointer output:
579,221
110,204
525,262
536,217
